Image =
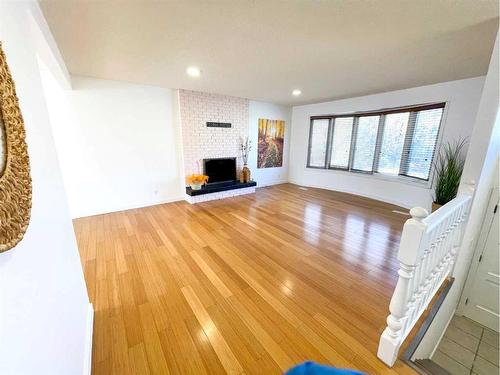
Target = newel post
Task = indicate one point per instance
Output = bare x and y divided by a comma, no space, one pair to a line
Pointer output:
409,250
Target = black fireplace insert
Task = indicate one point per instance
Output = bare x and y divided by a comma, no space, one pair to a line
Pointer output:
220,170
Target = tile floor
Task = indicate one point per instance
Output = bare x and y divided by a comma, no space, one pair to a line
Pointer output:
468,348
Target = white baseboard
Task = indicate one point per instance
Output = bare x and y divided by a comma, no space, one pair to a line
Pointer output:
259,185
371,196
87,364
135,205
125,208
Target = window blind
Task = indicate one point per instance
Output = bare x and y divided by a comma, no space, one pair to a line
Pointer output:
318,140
393,139
341,142
366,141
420,148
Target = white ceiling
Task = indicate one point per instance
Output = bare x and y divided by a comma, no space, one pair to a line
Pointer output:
262,49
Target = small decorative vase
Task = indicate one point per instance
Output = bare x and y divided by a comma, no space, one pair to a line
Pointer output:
245,172
436,206
196,186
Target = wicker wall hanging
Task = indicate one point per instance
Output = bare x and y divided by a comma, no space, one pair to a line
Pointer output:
15,180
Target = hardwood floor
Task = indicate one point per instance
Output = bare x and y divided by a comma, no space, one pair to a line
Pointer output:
253,284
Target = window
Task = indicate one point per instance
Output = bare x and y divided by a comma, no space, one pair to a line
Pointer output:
341,143
423,143
318,140
394,142
366,140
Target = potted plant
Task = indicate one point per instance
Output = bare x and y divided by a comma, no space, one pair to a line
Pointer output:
448,168
196,181
245,147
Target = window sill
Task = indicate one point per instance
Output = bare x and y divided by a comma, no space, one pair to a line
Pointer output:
378,176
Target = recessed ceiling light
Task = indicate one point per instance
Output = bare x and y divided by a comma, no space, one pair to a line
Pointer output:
193,71
296,92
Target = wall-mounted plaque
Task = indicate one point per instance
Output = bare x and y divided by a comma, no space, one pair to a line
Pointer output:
218,124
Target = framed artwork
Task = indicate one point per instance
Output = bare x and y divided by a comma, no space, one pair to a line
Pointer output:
271,139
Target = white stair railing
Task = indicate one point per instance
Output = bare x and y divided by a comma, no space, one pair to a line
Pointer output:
427,253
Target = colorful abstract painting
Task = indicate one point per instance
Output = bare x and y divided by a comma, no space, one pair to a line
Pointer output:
271,138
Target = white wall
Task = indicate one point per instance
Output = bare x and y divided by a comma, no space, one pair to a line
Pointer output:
269,176
462,97
481,168
118,144
43,299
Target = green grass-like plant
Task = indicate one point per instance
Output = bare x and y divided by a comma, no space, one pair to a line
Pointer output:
448,168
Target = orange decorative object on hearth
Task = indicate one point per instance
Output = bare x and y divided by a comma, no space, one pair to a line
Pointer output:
196,181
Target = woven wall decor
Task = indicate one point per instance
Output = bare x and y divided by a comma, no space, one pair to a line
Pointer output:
15,180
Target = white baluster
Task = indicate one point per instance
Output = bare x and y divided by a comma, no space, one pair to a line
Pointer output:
464,212
414,288
443,258
454,240
419,280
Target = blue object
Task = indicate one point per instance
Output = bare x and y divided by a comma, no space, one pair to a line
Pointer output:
311,368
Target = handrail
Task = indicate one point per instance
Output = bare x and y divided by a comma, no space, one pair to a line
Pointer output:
427,253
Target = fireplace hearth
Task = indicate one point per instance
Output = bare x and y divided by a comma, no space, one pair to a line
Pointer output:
222,181
216,188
